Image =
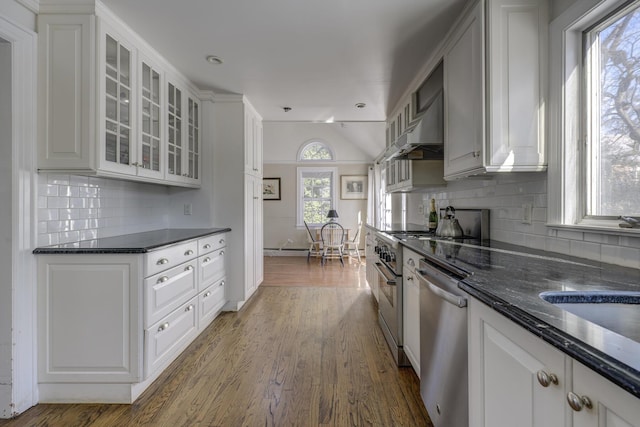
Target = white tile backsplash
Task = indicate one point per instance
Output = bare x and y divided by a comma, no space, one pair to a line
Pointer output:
72,208
504,194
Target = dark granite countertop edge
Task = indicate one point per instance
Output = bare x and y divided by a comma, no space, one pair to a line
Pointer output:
188,234
603,364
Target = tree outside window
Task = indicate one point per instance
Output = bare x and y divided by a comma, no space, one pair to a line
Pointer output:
613,177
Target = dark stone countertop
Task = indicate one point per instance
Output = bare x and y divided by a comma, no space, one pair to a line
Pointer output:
135,243
510,279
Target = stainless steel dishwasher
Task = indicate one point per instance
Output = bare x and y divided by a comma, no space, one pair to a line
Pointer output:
444,379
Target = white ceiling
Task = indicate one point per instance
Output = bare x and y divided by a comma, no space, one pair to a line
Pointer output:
319,57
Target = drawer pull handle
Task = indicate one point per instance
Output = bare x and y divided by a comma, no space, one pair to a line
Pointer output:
207,259
411,262
163,279
163,327
409,277
221,241
578,402
545,379
221,283
208,294
162,261
207,246
189,252
221,252
188,268
189,307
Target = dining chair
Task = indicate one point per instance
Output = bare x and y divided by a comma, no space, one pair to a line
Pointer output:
351,245
332,235
315,246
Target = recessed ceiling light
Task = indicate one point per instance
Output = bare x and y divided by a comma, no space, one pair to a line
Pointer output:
361,105
286,109
215,60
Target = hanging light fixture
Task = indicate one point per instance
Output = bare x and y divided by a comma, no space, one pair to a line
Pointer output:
332,215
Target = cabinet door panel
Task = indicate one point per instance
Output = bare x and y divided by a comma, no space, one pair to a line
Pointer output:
504,362
211,267
211,301
612,406
464,97
151,121
89,329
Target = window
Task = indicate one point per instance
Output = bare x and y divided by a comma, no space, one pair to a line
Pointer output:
594,121
316,194
314,151
612,130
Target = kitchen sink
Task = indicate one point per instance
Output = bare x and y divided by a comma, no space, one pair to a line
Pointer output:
617,311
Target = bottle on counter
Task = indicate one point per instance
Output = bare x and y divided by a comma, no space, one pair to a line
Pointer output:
433,216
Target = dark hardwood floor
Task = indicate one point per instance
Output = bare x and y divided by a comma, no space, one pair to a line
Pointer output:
306,350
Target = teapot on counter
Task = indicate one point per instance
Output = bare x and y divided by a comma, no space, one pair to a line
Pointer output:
449,226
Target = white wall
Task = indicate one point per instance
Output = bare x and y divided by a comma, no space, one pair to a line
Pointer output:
282,140
6,225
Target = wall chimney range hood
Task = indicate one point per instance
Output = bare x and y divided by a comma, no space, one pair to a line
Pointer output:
425,139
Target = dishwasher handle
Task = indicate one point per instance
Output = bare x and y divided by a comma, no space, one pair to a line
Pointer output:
457,300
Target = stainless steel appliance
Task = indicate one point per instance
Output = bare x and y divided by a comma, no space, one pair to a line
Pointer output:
389,269
443,343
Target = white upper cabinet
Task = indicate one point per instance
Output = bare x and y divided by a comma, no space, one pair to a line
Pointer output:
151,122
253,142
495,86
109,107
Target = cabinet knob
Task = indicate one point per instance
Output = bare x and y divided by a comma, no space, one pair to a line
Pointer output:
410,278
578,402
189,252
411,262
162,261
188,268
163,327
207,294
207,246
207,259
221,253
545,379
221,283
221,241
163,279
189,307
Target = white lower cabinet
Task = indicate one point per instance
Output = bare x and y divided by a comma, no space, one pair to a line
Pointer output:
370,255
110,323
516,379
411,308
170,336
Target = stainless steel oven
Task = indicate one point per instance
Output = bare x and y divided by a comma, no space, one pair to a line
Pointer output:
389,270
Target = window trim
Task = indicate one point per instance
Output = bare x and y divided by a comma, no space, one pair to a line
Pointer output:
567,143
309,142
334,190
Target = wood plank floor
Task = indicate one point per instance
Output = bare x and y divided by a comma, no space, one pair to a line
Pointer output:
307,352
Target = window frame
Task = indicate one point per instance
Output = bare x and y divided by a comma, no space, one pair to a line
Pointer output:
568,153
300,190
306,145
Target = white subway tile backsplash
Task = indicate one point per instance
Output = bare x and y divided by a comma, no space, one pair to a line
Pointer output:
585,250
629,257
72,208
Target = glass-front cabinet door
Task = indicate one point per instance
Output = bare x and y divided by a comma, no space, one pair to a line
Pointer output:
149,143
118,104
174,132
193,146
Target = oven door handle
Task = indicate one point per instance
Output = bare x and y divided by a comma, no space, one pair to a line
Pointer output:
391,281
457,300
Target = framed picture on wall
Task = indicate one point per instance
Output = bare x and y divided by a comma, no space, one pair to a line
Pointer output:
353,186
271,189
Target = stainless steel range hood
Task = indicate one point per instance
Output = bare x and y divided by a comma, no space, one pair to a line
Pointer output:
424,140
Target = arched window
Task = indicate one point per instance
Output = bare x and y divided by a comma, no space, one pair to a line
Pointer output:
315,150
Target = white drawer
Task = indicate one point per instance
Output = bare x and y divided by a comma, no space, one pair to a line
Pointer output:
167,338
167,290
211,243
211,268
210,302
163,259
